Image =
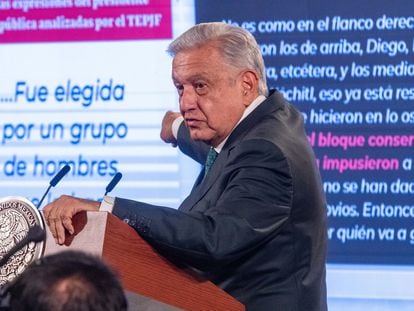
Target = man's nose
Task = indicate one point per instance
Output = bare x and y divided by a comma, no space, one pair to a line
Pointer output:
188,100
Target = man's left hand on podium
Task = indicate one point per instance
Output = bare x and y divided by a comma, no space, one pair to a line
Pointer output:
59,214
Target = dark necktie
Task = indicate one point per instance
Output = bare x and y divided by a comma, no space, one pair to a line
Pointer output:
211,157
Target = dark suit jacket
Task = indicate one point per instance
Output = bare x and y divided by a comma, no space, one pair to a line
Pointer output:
256,226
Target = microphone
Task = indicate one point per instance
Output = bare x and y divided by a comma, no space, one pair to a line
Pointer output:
35,234
115,180
63,171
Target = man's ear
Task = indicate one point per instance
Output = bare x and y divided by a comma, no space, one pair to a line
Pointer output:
250,84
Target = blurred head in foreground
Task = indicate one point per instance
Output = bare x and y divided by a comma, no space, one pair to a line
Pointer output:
67,281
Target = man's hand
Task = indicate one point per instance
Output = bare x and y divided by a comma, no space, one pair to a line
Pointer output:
58,214
166,129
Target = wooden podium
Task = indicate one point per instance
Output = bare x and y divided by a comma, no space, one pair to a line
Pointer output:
141,269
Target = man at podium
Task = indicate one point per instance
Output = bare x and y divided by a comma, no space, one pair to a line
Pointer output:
255,222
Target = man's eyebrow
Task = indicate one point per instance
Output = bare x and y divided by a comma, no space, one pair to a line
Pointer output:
192,78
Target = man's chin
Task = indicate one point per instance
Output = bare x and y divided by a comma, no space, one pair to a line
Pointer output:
196,137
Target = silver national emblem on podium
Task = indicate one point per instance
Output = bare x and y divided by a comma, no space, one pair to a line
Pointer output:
17,215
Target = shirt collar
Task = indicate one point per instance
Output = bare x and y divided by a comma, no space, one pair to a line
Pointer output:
246,112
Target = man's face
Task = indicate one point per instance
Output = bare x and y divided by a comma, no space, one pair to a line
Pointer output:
211,94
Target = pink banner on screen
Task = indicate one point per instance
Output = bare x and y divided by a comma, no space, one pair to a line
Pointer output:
84,20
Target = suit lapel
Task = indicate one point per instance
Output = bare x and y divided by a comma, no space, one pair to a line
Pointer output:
202,185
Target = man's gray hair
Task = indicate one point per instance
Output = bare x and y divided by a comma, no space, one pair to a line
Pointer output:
237,46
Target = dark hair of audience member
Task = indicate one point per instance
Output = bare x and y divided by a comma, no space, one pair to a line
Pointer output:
67,281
